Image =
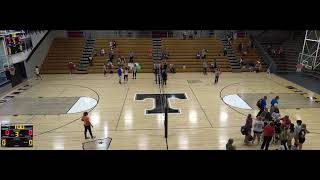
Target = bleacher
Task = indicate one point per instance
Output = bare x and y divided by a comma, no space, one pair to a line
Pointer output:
140,47
183,53
60,53
252,55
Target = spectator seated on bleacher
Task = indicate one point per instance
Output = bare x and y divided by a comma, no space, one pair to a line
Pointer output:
172,68
90,60
242,62
111,55
114,44
281,52
102,52
204,53
198,55
257,67
251,66
184,35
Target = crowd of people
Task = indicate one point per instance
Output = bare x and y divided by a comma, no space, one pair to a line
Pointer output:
270,126
275,51
252,66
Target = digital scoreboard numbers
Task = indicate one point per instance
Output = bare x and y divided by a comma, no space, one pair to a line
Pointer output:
16,135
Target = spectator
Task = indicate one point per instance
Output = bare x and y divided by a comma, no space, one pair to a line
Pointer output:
229,145
126,73
257,129
225,51
172,68
291,135
281,52
104,69
248,127
165,66
130,57
111,56
275,101
37,72
275,113
267,115
257,67
302,135
268,132
297,130
286,121
277,130
217,75
184,35
198,56
90,60
205,67
262,105
102,52
284,136
134,71
242,63
114,43
204,53
120,71
214,65
164,77
111,45
71,67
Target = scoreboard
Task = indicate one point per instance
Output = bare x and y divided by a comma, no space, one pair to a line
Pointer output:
16,135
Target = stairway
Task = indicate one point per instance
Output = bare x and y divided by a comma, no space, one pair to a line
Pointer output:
156,52
87,52
234,63
292,48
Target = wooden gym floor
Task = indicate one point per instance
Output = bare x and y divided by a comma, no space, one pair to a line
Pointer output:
204,121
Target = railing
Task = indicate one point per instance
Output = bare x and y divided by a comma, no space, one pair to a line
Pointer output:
36,47
147,34
266,57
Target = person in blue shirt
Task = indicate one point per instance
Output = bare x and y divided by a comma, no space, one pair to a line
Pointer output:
120,71
262,105
275,101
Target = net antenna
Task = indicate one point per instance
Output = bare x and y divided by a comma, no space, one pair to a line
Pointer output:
163,100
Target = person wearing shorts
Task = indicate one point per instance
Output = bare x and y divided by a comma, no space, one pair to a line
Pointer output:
120,74
125,76
257,129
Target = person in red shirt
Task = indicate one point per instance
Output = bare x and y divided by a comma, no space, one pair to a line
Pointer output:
268,132
286,121
71,67
87,125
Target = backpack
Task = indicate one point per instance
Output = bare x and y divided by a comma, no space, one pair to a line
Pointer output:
259,102
302,134
243,130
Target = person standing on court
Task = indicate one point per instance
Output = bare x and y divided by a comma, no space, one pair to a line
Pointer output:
126,73
104,69
274,101
37,72
134,71
119,71
268,132
164,77
217,75
87,125
262,103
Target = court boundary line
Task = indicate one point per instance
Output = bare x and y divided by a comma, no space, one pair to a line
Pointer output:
200,106
125,99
